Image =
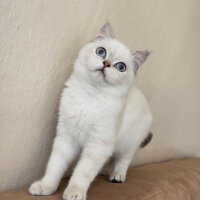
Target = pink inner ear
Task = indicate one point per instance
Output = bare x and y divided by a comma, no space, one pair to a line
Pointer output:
139,58
105,32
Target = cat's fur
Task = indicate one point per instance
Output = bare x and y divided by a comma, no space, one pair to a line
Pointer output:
102,119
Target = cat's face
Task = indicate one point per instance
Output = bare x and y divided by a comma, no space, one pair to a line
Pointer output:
107,61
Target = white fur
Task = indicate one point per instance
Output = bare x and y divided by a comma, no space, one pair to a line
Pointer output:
99,118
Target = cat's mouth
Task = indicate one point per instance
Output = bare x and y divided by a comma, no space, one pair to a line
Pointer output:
101,71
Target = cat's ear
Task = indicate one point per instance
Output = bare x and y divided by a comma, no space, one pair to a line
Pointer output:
105,32
139,58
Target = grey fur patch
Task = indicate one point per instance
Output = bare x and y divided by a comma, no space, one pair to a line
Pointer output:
146,140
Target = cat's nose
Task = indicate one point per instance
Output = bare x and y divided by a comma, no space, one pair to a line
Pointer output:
106,63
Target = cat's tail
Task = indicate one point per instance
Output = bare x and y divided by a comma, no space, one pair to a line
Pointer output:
146,140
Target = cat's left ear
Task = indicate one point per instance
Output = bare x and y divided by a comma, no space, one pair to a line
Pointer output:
139,58
105,32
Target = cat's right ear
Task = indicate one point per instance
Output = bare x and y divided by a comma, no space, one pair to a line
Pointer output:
105,32
139,58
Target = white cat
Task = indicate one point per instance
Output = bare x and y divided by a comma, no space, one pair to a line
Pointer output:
102,118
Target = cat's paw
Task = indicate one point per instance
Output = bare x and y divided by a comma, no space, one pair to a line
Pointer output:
41,188
74,193
117,177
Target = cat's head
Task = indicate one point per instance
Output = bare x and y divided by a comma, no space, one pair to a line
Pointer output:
108,62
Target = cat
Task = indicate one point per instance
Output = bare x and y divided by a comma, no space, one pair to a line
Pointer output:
103,118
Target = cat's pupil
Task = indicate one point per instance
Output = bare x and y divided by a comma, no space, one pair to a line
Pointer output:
101,51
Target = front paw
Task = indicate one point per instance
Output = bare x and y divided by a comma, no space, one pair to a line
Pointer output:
117,177
41,188
74,193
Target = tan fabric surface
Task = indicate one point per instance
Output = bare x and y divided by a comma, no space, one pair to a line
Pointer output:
172,180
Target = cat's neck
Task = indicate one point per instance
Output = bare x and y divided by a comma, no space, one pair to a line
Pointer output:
78,82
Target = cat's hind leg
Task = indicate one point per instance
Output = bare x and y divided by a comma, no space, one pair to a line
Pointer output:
121,165
128,142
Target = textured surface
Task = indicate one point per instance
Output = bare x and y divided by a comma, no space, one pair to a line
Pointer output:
40,40
178,179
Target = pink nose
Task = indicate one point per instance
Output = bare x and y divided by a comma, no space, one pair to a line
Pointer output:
106,63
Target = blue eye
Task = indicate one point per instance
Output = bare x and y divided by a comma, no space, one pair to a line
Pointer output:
101,52
120,66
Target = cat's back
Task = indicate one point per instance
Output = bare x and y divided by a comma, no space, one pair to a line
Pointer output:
136,102
135,121
136,109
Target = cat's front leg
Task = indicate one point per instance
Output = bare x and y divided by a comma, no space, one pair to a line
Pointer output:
93,157
63,152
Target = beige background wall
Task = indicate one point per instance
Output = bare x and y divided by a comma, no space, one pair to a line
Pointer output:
39,41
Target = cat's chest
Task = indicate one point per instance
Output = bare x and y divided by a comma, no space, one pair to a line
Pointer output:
87,116
89,110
